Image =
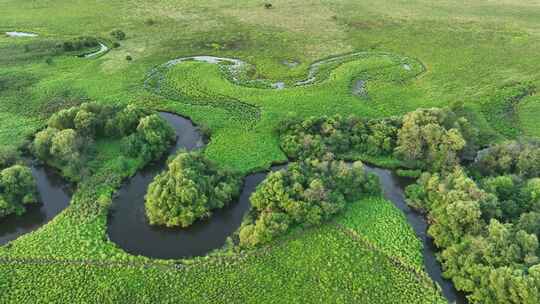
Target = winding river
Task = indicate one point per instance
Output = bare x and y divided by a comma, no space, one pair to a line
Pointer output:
127,225
393,187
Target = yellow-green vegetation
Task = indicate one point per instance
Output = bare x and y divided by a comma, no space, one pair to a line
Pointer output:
315,265
481,54
190,188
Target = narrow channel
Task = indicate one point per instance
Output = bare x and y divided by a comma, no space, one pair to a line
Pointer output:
393,190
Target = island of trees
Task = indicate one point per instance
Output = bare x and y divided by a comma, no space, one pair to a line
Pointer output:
189,190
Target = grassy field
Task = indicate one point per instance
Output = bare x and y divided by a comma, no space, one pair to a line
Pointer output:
323,265
481,53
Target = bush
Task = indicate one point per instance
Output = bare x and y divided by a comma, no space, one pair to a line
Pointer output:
17,189
118,34
314,137
79,43
306,193
189,190
147,136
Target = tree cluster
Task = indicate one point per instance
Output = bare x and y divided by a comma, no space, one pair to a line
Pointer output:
190,189
515,157
306,193
314,137
488,228
436,139
79,43
17,189
432,139
68,139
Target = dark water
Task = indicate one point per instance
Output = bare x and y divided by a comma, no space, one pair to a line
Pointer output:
55,196
128,226
393,190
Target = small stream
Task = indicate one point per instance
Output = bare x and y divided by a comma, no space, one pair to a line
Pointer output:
55,195
393,187
102,49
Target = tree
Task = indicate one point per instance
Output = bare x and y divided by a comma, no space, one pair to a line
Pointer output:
155,135
17,189
426,137
43,142
189,190
306,193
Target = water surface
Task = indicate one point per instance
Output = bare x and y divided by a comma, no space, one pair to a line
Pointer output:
21,34
392,187
54,195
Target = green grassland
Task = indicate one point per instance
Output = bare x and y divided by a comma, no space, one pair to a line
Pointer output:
480,53
323,265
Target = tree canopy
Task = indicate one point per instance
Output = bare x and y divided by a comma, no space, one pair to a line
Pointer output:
188,190
487,227
17,189
67,142
306,193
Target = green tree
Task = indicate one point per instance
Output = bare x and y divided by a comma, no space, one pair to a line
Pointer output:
428,137
306,193
17,189
191,187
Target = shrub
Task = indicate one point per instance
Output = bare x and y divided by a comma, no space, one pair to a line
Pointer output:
189,190
79,43
118,34
306,193
17,189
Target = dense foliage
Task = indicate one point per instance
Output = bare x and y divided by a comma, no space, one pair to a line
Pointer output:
189,190
314,137
515,157
306,193
432,139
435,138
488,228
17,189
79,43
68,140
